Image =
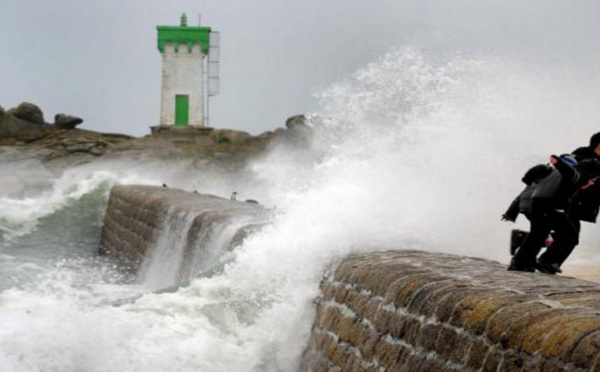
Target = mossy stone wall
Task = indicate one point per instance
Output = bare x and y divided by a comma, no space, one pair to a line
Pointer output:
419,311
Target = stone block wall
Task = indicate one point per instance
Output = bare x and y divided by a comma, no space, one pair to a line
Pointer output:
136,215
418,311
132,222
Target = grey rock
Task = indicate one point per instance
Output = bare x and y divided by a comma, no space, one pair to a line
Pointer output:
63,121
28,112
296,121
14,128
297,135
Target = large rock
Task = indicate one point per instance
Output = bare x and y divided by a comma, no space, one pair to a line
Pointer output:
29,112
296,121
63,121
297,135
14,129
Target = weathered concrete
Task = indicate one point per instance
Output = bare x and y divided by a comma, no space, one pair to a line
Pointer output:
137,214
417,311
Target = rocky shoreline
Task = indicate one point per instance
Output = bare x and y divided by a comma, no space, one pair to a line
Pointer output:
60,145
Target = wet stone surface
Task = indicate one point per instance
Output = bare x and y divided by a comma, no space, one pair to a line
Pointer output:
420,311
137,215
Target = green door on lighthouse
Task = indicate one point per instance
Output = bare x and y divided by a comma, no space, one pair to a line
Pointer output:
182,110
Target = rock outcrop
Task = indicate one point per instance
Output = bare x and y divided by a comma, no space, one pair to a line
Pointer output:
28,112
62,145
58,145
14,129
25,124
297,133
418,311
63,121
296,121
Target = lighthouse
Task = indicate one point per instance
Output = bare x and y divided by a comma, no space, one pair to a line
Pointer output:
183,49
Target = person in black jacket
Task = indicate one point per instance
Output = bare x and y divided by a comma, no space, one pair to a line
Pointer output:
584,206
549,201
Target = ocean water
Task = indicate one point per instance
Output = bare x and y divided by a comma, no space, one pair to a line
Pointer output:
412,152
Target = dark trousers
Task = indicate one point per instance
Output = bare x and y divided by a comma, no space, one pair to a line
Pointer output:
565,235
563,244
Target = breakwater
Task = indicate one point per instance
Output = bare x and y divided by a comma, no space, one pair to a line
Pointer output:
418,311
380,311
174,233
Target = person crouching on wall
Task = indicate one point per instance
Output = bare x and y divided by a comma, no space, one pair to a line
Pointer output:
550,199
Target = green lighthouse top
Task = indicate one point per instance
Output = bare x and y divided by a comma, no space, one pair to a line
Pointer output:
183,34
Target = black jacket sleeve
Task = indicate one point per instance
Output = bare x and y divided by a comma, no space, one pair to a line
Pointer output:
512,212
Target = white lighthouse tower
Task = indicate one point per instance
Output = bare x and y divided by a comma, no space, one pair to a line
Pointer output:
183,49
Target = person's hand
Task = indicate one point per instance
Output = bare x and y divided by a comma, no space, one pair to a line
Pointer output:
504,217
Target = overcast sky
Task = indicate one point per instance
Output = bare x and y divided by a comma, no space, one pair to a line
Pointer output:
98,59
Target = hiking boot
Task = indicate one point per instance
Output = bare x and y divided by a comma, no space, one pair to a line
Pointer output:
547,268
515,266
516,239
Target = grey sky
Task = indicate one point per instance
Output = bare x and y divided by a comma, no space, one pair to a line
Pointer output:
97,58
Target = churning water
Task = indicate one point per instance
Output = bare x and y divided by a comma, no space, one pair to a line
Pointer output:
412,152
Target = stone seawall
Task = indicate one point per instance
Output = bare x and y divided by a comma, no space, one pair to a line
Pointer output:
388,311
417,311
137,215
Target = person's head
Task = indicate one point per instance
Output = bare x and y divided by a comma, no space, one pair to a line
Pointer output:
595,143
